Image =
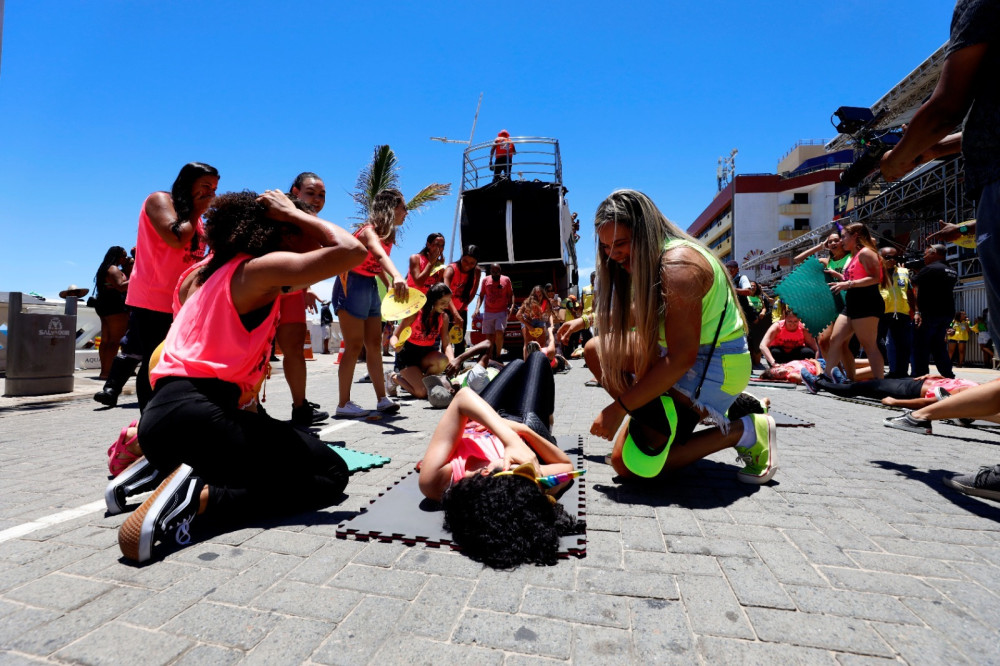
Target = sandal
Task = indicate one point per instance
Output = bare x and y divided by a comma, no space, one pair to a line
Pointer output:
119,457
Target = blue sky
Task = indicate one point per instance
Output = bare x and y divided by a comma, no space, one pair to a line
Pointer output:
101,103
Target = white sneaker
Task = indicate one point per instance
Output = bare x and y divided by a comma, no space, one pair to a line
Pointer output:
390,386
351,410
387,405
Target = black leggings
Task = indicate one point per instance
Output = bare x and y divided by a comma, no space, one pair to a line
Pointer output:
902,389
149,328
524,391
254,465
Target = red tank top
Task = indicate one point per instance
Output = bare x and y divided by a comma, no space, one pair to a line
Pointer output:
157,266
789,340
208,340
370,266
458,283
422,338
429,282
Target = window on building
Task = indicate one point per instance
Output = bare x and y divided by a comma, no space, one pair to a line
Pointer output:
801,223
800,198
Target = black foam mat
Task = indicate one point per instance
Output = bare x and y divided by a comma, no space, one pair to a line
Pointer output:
783,420
402,514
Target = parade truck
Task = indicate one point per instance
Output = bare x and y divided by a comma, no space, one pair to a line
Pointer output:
518,217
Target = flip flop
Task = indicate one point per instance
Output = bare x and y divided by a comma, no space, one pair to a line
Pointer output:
119,457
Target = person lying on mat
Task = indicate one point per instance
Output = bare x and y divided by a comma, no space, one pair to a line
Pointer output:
976,402
494,467
791,371
219,458
672,347
906,392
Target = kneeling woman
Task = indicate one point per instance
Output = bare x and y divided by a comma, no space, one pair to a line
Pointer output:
672,348
221,457
421,352
497,476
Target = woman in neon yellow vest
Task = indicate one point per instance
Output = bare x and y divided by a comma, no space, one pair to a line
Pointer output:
672,348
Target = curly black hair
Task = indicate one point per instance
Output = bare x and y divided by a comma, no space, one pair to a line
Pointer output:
237,224
506,521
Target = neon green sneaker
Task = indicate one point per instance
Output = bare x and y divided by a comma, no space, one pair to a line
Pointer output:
761,459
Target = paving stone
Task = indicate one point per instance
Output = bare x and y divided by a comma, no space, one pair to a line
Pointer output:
920,645
59,592
733,652
819,548
601,646
209,655
821,631
374,580
741,533
515,634
220,556
324,564
965,632
104,645
862,660
975,598
361,635
499,591
641,534
187,592
47,638
308,601
604,550
865,522
753,583
236,537
904,564
788,564
712,608
660,633
598,522
423,652
285,541
158,577
879,583
945,535
574,606
678,521
671,563
849,603
706,546
20,622
436,609
217,623
252,582
772,518
444,562
934,550
558,577
291,641
381,554
629,584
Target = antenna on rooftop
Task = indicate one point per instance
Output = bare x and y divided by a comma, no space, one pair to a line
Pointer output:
458,201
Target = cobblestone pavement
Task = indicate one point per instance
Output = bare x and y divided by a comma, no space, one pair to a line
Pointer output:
855,554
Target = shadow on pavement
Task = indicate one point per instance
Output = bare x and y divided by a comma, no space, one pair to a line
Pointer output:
934,479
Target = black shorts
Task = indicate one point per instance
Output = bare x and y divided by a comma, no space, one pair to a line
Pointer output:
412,354
864,302
110,302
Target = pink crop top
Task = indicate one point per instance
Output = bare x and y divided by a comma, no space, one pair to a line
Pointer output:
477,444
947,384
157,266
855,270
208,340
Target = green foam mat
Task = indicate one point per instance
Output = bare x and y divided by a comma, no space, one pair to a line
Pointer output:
358,461
806,292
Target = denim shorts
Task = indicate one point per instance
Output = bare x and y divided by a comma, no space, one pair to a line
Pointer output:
360,299
728,374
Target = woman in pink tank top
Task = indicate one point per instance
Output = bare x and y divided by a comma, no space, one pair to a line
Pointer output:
358,307
169,241
210,453
493,474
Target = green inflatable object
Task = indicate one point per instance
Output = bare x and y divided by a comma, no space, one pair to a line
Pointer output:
806,292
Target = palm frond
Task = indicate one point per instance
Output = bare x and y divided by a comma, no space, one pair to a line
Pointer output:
382,173
431,193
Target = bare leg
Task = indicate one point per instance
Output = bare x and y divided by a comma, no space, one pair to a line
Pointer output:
353,330
703,443
838,339
373,355
411,379
866,329
975,402
292,338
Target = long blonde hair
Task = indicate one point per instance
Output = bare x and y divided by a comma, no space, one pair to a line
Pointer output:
623,300
383,214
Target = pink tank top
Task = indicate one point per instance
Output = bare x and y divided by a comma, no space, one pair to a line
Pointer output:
157,266
208,340
476,445
370,266
422,338
429,282
855,270
176,300
947,384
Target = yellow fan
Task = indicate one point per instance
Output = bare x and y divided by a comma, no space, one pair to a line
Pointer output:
393,310
404,335
455,334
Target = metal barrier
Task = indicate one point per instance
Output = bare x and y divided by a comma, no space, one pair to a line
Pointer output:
537,158
40,349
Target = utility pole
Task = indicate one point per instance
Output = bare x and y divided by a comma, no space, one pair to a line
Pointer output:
458,202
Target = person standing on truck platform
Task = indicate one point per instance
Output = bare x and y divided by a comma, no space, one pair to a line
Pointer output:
499,296
501,155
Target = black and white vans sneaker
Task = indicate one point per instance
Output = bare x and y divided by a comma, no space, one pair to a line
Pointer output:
139,477
164,519
905,421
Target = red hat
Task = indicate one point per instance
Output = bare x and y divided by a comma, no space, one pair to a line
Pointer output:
503,132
